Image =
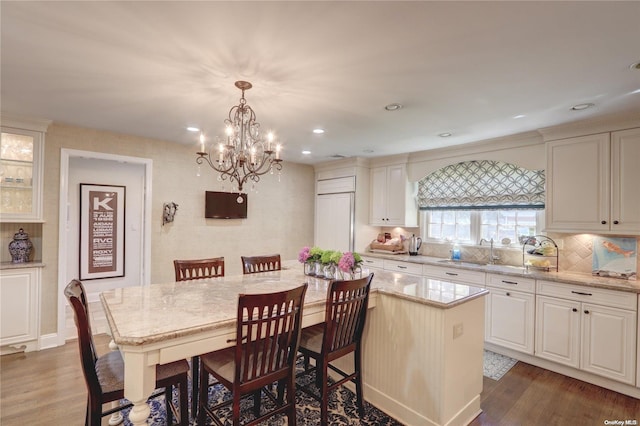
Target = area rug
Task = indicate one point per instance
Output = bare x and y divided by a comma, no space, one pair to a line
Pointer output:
343,409
496,365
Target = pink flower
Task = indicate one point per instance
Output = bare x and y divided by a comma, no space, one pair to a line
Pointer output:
303,256
347,262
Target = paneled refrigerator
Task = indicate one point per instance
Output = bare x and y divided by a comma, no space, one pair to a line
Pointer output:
335,215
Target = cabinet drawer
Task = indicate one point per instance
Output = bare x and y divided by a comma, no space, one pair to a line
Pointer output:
372,262
599,296
404,267
454,274
527,285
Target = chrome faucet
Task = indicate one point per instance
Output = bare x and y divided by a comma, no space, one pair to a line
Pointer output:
492,258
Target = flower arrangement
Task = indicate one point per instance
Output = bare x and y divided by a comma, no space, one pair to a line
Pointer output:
329,257
304,254
315,254
349,262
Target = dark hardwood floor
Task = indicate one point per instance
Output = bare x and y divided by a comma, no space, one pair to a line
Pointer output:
47,388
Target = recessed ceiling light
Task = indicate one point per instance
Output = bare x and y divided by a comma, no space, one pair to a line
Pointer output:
306,152
635,91
393,107
318,131
367,151
193,129
444,135
580,107
519,116
635,66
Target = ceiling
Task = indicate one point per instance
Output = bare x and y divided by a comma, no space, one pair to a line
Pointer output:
467,68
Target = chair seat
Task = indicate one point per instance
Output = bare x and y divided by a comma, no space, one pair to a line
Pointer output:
311,338
223,362
110,371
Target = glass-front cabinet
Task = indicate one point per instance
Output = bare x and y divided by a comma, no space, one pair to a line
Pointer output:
21,155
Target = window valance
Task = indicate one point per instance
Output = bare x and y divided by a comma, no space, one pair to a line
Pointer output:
474,185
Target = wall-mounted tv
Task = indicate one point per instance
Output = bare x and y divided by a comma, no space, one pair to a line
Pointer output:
225,205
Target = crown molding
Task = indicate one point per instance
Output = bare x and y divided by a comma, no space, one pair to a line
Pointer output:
25,123
610,123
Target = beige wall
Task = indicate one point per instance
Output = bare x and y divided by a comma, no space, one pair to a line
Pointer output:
280,214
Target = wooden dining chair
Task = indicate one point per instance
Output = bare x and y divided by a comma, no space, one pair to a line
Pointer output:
196,269
104,375
199,268
266,343
255,264
340,334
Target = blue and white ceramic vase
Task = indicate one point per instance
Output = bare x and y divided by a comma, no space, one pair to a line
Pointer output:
20,247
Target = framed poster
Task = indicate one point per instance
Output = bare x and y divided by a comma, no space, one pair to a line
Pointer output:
615,257
102,224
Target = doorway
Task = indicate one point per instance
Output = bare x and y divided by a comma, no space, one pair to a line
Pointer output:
106,169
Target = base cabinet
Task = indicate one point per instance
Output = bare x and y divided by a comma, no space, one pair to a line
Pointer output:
589,336
510,319
20,309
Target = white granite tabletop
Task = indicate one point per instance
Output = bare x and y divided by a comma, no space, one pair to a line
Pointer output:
140,315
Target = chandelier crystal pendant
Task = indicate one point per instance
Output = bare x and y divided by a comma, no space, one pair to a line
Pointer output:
244,155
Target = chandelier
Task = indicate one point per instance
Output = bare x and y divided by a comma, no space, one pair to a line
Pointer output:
244,155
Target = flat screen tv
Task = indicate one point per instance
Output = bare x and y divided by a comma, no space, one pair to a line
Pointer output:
225,205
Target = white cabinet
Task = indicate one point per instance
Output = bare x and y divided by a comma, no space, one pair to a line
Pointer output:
392,197
372,262
587,328
510,311
21,160
404,267
20,309
625,176
592,183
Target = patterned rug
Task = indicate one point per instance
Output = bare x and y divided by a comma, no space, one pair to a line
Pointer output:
343,409
496,365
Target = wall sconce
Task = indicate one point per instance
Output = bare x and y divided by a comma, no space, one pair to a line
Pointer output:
169,212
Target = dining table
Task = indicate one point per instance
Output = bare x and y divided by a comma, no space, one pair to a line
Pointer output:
165,322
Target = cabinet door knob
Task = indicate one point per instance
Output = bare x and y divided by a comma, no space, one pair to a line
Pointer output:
508,294
604,222
586,312
615,222
575,309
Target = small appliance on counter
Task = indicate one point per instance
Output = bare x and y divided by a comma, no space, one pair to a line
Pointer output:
414,245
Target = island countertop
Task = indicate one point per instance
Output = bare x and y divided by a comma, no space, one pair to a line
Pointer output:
142,315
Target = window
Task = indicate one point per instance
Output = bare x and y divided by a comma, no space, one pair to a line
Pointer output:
469,226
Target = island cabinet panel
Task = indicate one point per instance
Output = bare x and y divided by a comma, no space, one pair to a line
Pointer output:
423,364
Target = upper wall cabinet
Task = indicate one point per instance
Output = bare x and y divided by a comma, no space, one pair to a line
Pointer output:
392,197
593,183
21,158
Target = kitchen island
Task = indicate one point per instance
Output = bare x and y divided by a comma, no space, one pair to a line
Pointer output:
422,342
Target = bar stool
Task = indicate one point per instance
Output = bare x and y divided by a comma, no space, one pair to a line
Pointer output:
255,264
194,269
266,343
339,335
104,375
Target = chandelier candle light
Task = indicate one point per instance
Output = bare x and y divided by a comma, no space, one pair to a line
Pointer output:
245,155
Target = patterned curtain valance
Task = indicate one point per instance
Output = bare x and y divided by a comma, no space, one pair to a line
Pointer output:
474,185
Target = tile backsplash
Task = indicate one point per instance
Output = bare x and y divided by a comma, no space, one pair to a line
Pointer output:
576,254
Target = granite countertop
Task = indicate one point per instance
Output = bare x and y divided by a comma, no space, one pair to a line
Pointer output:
142,315
519,271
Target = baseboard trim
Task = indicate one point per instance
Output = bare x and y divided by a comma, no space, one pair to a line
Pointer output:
394,408
48,341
